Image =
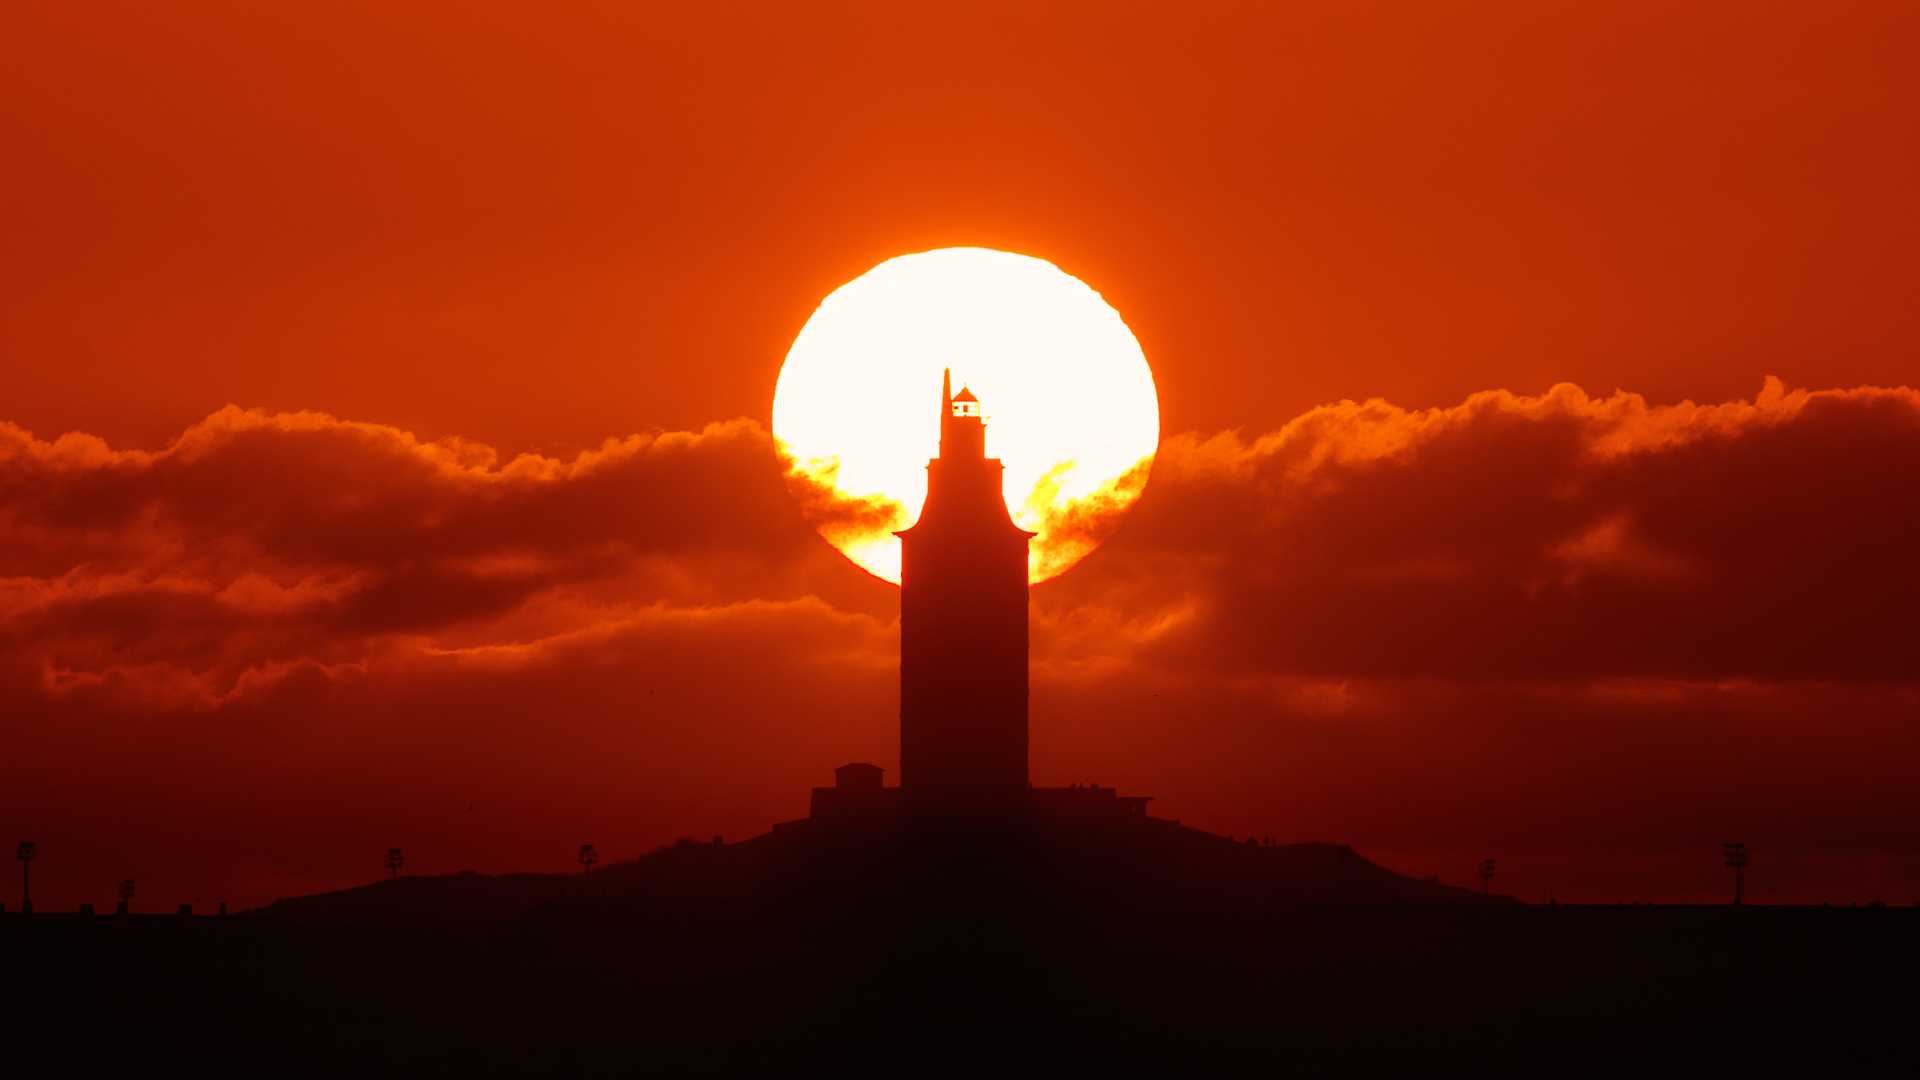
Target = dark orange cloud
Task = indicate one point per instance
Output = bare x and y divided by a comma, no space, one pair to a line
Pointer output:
249,662
257,539
1593,634
1516,537
629,730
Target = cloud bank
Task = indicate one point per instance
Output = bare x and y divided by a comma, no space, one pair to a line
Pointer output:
1521,625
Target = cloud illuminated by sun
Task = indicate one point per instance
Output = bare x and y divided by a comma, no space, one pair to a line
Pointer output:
1069,399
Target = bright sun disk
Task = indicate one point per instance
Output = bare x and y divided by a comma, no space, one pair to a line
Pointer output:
1069,399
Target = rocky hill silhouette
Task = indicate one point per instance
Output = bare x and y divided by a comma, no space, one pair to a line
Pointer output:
1150,951
1151,868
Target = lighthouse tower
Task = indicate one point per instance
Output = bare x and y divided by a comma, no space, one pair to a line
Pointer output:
963,631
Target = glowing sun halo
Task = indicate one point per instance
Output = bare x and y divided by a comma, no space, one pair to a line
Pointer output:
1068,396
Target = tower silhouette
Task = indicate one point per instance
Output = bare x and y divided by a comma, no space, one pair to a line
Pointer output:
963,630
963,665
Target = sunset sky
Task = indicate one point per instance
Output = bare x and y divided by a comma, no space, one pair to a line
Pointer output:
385,391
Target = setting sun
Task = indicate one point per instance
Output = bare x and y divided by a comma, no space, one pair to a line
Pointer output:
1068,397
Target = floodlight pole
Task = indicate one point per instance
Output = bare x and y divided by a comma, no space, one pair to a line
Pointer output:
26,852
1735,855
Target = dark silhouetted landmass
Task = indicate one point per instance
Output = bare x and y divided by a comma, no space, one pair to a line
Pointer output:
1144,950
1155,867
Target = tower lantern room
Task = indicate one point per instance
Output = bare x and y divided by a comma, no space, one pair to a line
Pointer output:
963,430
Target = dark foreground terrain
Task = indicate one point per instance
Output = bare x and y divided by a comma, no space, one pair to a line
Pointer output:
1159,952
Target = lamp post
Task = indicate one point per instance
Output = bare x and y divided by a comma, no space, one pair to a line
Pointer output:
26,852
1486,876
395,861
1735,855
588,857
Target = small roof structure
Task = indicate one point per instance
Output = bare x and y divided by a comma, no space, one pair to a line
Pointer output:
858,774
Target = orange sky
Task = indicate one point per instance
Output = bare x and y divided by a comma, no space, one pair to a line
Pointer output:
1554,621
541,225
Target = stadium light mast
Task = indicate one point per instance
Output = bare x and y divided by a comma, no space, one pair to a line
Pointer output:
25,853
1735,855
588,856
1486,876
395,860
